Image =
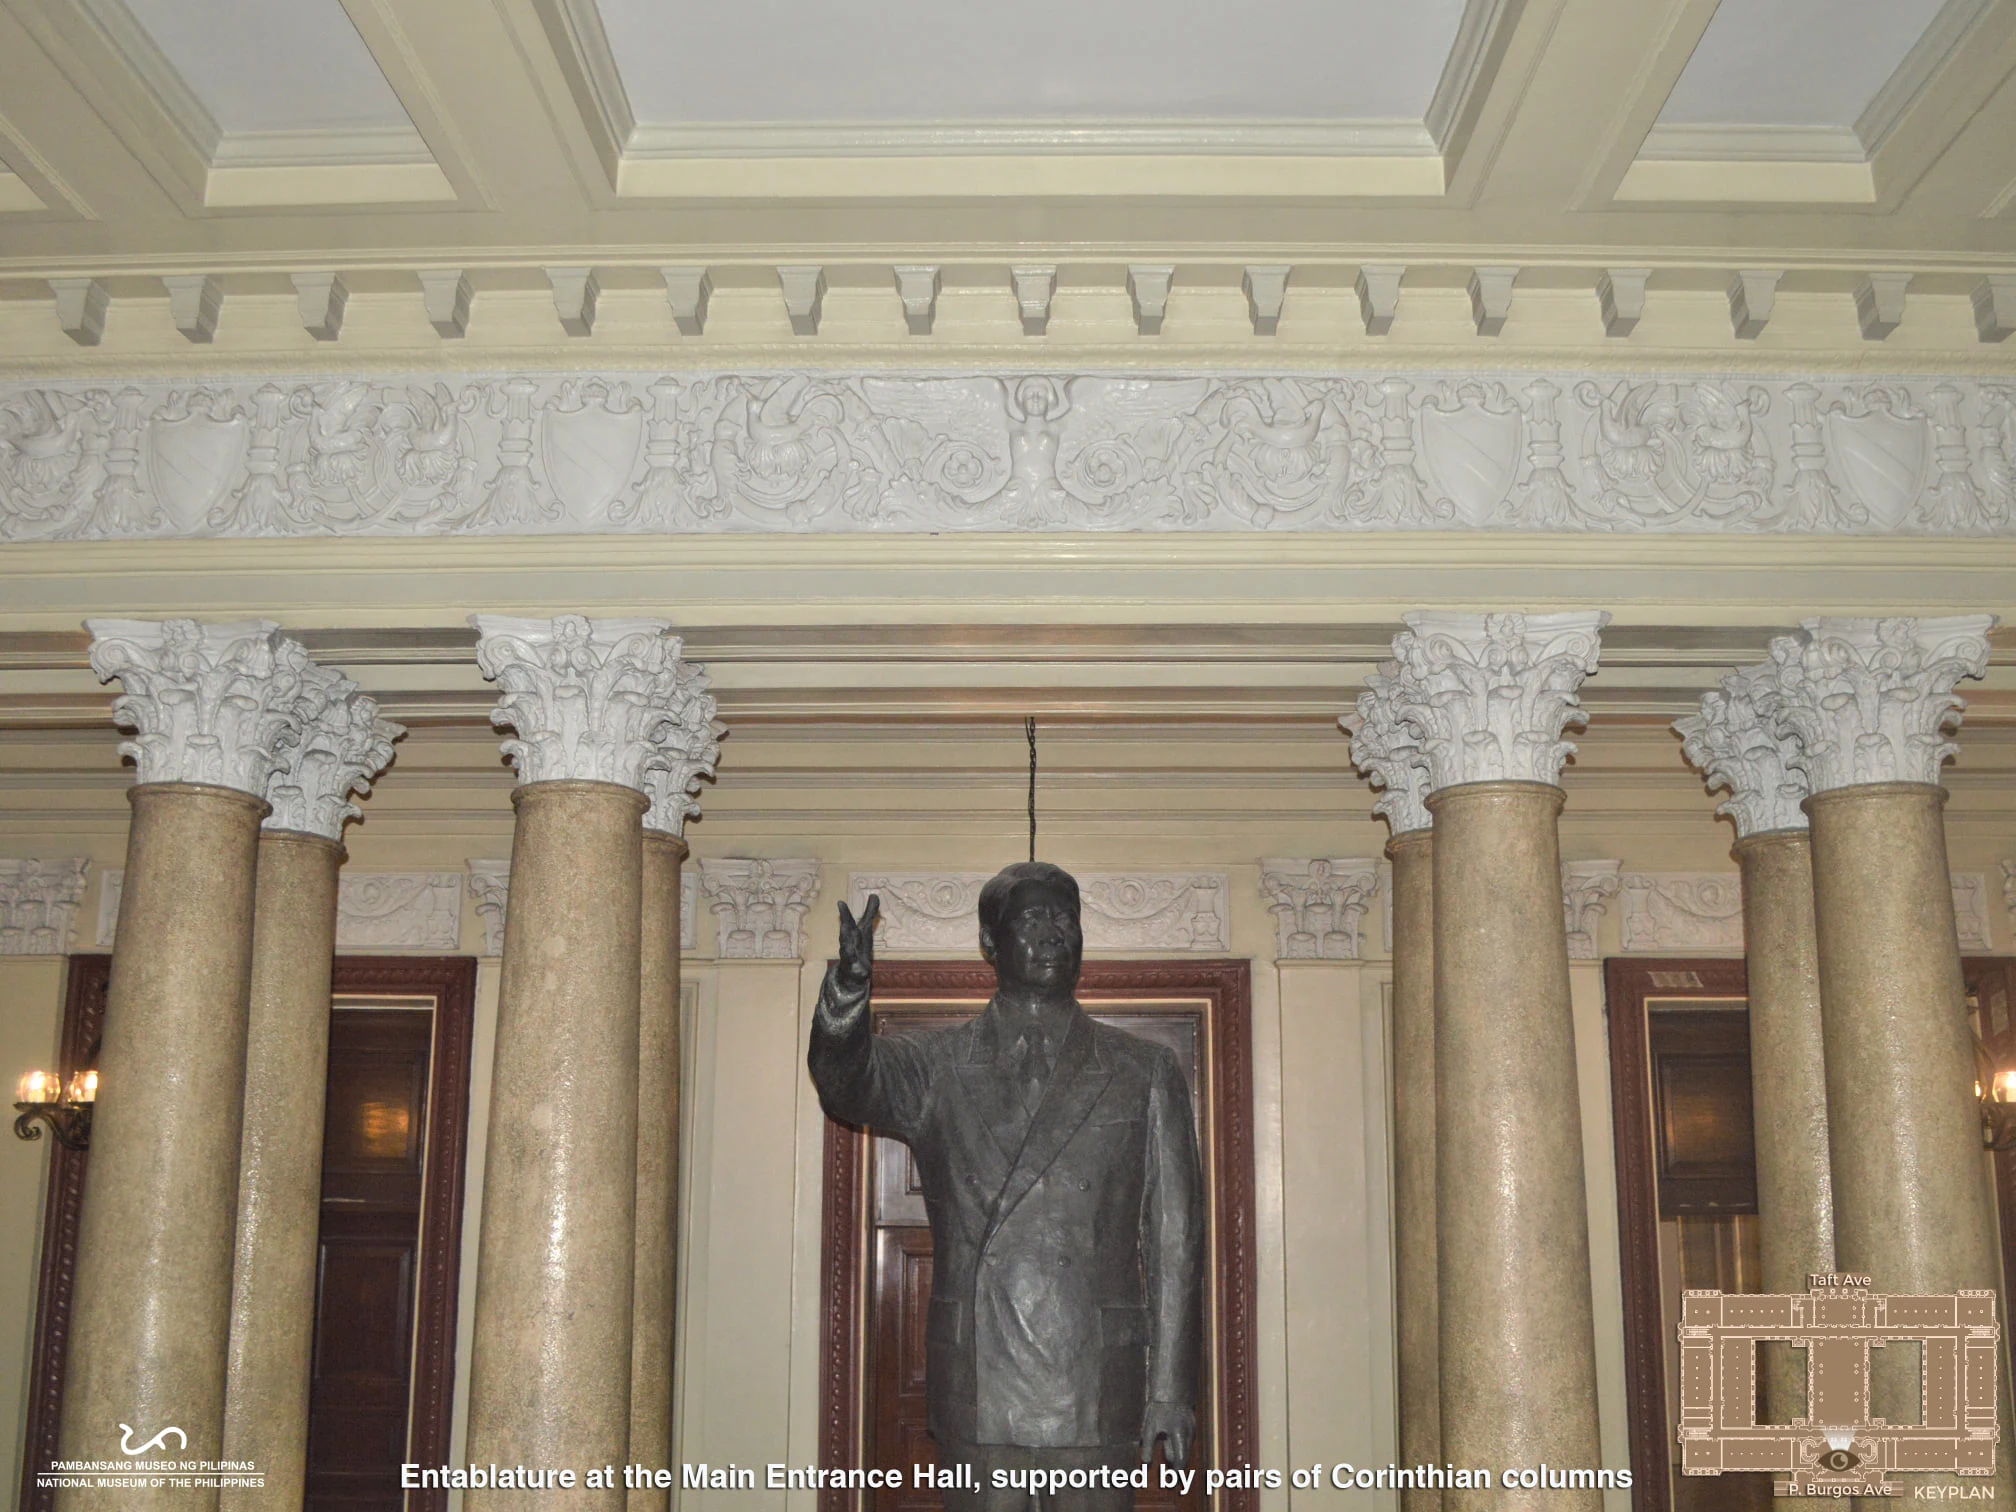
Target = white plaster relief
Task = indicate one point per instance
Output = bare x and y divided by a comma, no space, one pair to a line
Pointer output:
210,703
1735,748
1386,748
1491,694
1970,912
38,904
2009,888
645,453
399,911
590,700
343,745
110,885
1586,890
759,906
1680,911
1871,700
1319,906
939,911
490,890
688,743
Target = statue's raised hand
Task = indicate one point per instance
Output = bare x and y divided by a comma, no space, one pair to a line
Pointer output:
857,946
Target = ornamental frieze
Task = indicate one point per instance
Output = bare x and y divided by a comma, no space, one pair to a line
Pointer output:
800,452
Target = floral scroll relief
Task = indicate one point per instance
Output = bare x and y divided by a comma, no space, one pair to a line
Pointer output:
519,454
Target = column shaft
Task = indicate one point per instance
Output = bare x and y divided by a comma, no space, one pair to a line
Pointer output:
1788,1072
1518,1356
550,1372
657,1166
280,1167
1415,1279
1912,1204
150,1328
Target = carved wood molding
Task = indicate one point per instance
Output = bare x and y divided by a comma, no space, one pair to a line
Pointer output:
843,1271
643,453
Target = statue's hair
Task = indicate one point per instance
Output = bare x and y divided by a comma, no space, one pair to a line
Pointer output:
1003,885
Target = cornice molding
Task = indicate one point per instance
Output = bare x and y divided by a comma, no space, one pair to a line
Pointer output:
759,906
1119,911
1319,906
803,452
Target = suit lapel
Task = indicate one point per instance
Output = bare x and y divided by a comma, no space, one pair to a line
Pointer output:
1075,1084
990,1095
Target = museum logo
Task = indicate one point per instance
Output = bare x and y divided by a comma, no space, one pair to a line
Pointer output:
159,1441
1839,1448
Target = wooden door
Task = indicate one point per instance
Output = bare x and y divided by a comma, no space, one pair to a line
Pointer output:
878,1248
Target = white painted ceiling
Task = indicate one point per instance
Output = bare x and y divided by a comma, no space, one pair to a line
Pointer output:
273,65
1796,62
958,60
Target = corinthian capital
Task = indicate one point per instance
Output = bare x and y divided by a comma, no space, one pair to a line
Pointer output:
1387,749
688,745
209,703
344,744
1735,747
1491,694
1872,700
587,698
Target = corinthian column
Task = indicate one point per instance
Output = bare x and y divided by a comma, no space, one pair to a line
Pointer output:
550,1369
689,745
1736,749
213,708
344,745
1870,703
1388,751
1490,696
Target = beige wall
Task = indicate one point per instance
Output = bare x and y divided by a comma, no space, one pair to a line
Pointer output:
31,1019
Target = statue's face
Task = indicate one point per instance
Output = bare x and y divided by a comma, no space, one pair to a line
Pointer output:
1038,944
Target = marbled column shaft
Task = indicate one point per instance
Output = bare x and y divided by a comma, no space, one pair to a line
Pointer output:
152,1311
1788,1075
1912,1203
280,1168
657,1167
1518,1345
1415,1283
550,1373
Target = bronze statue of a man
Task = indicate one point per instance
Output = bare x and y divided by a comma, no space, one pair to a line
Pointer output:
1059,1165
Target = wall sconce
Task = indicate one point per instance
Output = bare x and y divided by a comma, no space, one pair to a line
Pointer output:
41,1097
1995,1089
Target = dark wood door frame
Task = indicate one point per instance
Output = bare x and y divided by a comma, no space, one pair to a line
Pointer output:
451,982
845,1265
1627,983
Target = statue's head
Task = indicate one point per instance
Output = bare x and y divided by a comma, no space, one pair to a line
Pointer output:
1029,927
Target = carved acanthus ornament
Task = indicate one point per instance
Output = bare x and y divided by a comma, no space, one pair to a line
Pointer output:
1386,748
38,904
1970,912
1491,694
1681,911
1871,700
688,745
1586,890
1734,748
1117,910
760,906
1319,906
876,452
2009,888
399,911
490,891
344,744
210,703
589,700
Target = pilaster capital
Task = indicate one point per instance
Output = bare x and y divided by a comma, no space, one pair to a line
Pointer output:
1491,694
1387,749
344,744
1872,700
688,745
38,904
212,703
1586,890
587,698
1735,747
760,906
1319,906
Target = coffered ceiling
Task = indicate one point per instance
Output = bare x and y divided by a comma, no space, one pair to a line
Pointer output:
1548,143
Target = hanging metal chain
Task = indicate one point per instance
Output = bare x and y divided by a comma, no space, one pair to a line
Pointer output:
1029,729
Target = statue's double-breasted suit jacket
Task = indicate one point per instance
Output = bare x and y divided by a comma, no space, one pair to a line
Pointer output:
1067,1242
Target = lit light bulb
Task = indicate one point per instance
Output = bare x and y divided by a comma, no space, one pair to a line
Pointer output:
2005,1086
84,1087
37,1087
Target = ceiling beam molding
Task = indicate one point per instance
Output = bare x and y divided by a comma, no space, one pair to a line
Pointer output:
194,302
1879,304
917,287
446,294
1034,285
1378,288
687,291
1995,308
1148,288
804,288
1491,298
575,293
322,298
1266,287
1620,292
80,308
1752,292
